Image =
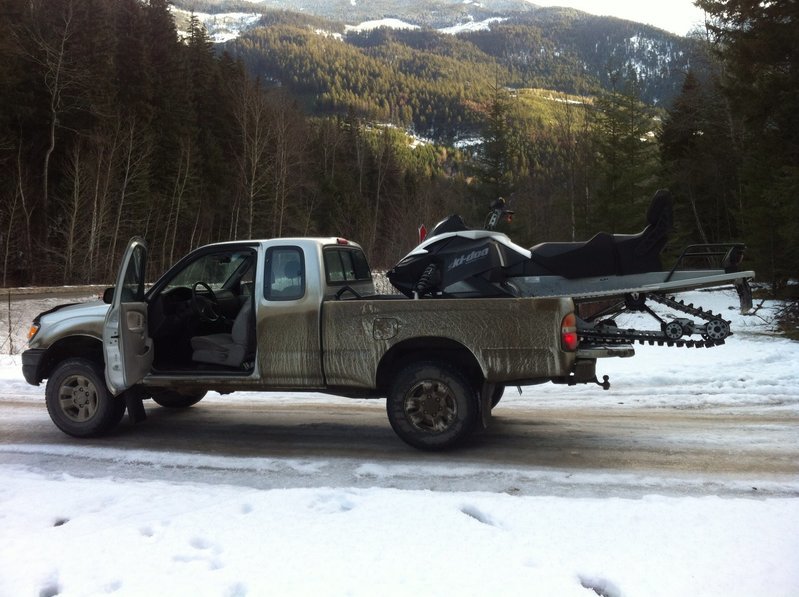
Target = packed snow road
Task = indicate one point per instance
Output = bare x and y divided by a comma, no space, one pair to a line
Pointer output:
260,443
718,421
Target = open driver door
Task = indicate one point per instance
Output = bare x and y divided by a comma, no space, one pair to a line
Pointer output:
127,346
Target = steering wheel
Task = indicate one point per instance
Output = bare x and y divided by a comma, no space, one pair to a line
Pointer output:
205,305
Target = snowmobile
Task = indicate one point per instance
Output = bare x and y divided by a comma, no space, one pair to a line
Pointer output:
606,276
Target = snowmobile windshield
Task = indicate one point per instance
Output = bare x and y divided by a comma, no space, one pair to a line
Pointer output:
452,223
471,235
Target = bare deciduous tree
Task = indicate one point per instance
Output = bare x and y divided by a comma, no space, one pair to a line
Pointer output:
252,119
50,51
176,202
136,152
288,139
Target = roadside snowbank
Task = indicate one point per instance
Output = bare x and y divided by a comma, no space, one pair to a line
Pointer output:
73,536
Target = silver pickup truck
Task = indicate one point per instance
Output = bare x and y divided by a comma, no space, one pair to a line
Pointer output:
297,314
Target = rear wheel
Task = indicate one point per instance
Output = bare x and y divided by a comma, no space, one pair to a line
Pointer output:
174,399
432,406
79,402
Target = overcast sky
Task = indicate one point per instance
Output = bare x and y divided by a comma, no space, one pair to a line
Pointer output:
677,16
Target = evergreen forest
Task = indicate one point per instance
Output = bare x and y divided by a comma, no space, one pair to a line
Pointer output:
114,125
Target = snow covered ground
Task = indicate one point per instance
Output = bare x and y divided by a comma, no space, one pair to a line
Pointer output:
104,532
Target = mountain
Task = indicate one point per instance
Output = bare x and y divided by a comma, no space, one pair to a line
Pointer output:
431,64
433,14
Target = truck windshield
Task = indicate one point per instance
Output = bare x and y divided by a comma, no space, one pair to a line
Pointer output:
218,270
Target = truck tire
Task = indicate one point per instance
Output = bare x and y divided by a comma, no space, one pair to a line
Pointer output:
174,399
78,400
432,406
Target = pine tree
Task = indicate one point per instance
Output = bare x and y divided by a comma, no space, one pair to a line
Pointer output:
701,164
500,147
623,132
756,41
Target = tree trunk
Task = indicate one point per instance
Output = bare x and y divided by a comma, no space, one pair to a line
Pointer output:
180,188
56,80
74,215
7,245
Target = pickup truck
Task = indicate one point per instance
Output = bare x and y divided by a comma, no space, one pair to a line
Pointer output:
296,314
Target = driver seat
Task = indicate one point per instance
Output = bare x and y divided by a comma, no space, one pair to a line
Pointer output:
224,349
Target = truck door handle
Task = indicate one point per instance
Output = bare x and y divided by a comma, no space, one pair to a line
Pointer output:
135,322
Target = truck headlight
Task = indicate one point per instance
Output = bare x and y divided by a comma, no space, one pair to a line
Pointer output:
34,329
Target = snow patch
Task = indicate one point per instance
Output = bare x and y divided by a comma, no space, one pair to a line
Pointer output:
377,24
330,34
221,27
471,25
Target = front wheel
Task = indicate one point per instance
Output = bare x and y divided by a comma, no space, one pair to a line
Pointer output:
79,402
432,406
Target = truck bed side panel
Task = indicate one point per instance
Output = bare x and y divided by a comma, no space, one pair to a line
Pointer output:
512,339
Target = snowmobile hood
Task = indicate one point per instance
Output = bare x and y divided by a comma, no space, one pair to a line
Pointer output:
503,239
454,257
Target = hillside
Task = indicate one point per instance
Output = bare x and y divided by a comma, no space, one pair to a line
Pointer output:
530,46
560,48
432,14
415,78
438,83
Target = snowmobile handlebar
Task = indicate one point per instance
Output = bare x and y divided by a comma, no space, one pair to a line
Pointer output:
499,211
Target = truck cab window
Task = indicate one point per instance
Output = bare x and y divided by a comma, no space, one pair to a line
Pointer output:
285,274
345,265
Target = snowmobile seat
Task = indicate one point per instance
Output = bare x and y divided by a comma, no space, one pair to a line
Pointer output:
640,253
595,257
606,254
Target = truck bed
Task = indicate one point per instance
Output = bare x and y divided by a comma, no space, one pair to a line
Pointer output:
511,339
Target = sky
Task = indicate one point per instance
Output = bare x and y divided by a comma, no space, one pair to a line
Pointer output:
677,16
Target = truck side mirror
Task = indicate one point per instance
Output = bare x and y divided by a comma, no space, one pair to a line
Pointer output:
108,295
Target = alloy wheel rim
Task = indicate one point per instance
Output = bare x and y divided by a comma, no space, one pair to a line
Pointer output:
78,398
430,406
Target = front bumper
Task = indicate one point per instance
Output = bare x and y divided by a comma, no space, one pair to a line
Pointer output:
31,360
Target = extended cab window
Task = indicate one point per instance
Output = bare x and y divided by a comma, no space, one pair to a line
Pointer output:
285,274
346,265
